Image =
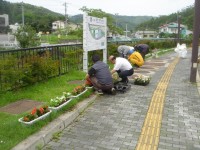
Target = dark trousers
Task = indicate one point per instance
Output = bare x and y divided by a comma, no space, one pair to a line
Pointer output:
99,86
144,52
124,74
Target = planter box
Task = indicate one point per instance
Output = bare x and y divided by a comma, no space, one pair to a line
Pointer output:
75,96
89,87
35,120
60,106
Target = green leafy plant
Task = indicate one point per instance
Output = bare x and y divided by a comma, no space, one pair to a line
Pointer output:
9,74
26,36
55,102
39,68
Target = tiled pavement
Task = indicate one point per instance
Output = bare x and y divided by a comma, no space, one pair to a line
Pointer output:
116,122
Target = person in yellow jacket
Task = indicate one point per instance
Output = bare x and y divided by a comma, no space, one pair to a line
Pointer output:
135,58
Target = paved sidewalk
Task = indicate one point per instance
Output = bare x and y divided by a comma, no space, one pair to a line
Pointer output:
116,122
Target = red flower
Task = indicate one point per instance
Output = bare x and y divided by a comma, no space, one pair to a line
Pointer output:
34,111
78,89
41,110
26,119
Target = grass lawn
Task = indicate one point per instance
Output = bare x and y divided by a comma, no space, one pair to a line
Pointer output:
11,131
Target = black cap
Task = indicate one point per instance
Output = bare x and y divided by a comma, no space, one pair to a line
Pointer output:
95,58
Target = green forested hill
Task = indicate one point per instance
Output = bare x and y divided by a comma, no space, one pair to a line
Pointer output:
187,18
121,21
41,18
38,17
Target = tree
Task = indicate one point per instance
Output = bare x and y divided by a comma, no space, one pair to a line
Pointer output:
100,14
26,36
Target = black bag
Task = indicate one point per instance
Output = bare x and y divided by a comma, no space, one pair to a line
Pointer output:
121,87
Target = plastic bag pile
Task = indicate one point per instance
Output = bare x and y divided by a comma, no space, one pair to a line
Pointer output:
181,50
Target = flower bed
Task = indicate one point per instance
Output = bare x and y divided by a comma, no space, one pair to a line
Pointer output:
142,80
79,90
55,104
59,102
35,115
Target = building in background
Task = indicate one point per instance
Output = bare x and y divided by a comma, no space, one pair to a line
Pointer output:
172,28
4,20
146,34
4,24
58,25
61,25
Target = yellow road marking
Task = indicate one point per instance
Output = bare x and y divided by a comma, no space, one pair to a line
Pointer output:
149,137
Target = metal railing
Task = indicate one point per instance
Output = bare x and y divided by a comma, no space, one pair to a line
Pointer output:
18,66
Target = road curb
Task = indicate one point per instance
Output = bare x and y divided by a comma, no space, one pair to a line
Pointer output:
198,81
41,138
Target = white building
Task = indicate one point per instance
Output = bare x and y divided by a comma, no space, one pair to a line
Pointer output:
4,21
146,34
61,25
58,25
173,28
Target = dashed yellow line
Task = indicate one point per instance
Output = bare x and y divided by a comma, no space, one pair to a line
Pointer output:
149,137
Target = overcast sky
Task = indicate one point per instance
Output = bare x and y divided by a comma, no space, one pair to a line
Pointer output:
121,7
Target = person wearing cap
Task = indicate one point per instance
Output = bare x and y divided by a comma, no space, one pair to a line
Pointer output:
135,58
123,67
123,50
143,49
99,77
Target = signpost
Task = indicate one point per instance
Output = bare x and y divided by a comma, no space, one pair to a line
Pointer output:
94,37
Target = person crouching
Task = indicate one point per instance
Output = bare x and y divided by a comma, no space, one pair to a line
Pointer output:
135,58
100,77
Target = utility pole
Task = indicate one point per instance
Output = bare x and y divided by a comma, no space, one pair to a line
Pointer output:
179,22
195,42
116,19
126,31
65,4
22,13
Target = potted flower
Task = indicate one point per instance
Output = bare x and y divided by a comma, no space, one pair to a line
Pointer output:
79,90
35,115
59,102
115,77
142,80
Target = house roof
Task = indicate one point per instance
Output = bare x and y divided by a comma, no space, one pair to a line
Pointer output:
172,25
146,32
